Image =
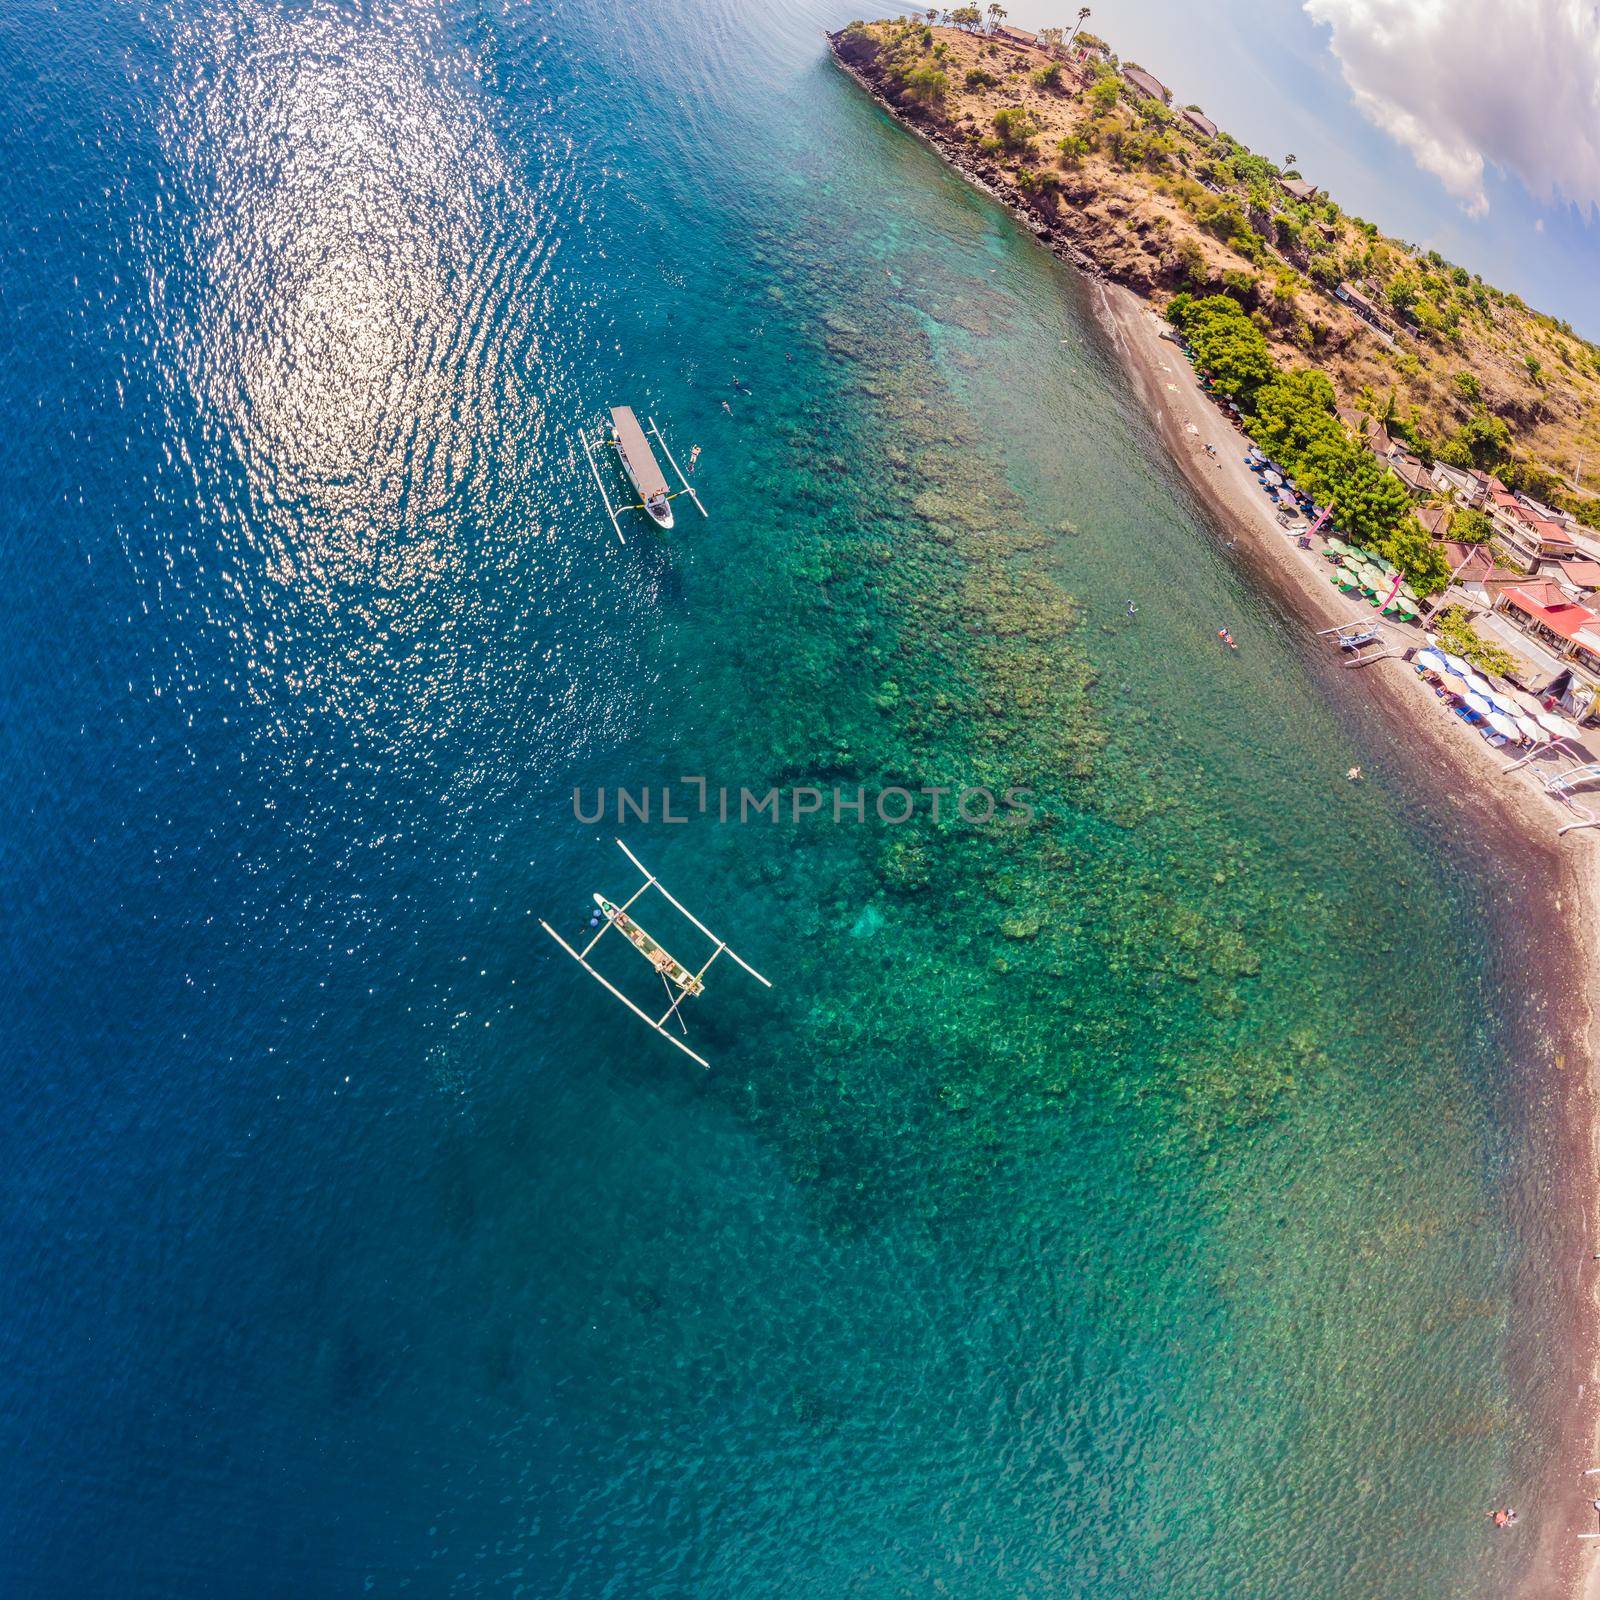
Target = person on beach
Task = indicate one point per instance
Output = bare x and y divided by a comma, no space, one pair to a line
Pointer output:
1227,638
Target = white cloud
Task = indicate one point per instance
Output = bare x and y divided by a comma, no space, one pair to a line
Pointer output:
1461,83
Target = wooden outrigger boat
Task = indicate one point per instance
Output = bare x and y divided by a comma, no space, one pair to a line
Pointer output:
681,984
638,460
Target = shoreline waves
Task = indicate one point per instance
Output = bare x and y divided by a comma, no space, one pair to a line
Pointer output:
1548,901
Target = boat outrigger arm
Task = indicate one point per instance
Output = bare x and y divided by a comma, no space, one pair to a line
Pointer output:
681,984
652,504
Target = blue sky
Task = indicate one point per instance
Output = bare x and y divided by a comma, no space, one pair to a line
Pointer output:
1465,125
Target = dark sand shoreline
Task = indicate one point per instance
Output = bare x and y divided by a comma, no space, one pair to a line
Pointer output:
1546,894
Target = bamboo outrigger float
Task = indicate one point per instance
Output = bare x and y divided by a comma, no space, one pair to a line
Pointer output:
638,460
675,976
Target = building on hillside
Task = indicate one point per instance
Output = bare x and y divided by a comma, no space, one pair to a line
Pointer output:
1475,573
1299,189
1411,472
1152,88
1525,537
1199,121
1375,319
1468,485
1578,578
1017,36
1435,521
1373,434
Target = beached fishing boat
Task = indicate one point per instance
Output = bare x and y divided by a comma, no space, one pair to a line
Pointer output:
680,982
643,471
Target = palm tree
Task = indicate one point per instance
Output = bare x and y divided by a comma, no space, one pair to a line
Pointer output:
996,14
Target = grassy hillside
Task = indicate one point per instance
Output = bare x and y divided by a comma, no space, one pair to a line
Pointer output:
1473,374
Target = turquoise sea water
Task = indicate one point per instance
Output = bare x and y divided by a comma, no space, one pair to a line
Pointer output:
1131,1204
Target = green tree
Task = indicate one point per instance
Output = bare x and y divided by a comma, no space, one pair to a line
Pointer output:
1073,149
1531,478
966,17
1456,633
1482,441
1227,345
1105,94
1014,127
928,86
1468,526
1416,555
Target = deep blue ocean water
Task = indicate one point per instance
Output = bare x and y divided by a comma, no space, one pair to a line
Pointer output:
1087,1211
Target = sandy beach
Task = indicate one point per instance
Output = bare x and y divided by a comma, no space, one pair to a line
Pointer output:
1552,894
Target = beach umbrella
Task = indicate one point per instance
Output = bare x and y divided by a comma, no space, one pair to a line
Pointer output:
1529,729
1271,479
1476,702
1343,579
1402,607
1456,665
1337,545
1476,685
1503,725
1504,706
1559,726
1429,660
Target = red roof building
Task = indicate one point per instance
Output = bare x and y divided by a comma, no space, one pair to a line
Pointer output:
1544,607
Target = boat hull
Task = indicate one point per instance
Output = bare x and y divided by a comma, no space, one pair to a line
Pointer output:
668,966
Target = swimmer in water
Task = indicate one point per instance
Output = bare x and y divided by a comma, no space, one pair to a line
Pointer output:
694,456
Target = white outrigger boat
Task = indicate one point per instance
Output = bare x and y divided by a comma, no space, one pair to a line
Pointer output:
627,438
680,983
